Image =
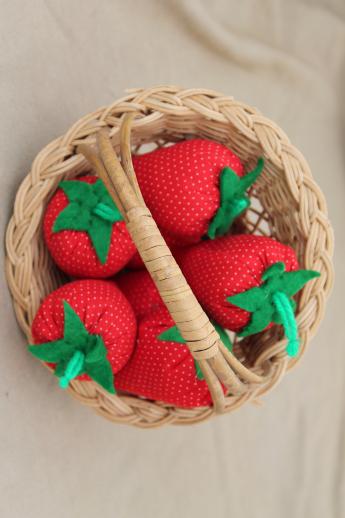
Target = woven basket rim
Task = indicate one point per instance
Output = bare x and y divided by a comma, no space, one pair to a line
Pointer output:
223,117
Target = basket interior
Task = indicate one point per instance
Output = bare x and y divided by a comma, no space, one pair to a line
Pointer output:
270,214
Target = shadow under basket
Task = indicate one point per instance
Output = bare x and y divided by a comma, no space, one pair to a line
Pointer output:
286,204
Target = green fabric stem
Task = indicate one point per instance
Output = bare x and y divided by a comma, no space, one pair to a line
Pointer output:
103,211
73,369
90,209
78,352
233,198
284,309
173,335
272,302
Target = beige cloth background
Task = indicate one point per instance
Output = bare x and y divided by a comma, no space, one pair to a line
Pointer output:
61,59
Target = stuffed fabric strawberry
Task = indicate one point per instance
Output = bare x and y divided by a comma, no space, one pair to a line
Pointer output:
162,368
86,329
246,283
194,188
84,230
140,291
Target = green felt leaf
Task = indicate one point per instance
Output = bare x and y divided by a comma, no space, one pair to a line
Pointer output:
79,192
52,351
172,335
273,271
223,336
75,338
233,200
73,217
272,302
106,205
249,300
104,196
248,179
101,372
228,210
100,235
74,330
260,319
228,183
216,225
98,352
226,215
291,282
198,371
91,210
90,349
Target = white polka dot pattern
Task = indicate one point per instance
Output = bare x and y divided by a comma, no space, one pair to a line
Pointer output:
162,371
72,250
229,265
103,309
140,291
158,370
180,185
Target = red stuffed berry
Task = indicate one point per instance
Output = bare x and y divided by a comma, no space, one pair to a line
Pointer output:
86,330
140,291
161,367
246,283
84,231
194,188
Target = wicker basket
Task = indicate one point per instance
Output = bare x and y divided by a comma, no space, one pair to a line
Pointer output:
287,204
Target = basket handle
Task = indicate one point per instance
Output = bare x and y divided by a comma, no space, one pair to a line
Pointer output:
216,363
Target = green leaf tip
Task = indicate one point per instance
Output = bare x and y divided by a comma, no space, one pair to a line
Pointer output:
198,371
90,209
272,302
233,198
173,335
78,352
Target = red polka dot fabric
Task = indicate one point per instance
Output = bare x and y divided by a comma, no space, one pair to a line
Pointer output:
162,371
229,265
72,250
140,290
103,309
157,370
180,185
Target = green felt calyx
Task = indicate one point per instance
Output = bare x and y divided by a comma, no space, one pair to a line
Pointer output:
78,352
173,335
233,198
90,209
272,302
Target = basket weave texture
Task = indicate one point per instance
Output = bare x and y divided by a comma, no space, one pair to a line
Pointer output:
287,205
